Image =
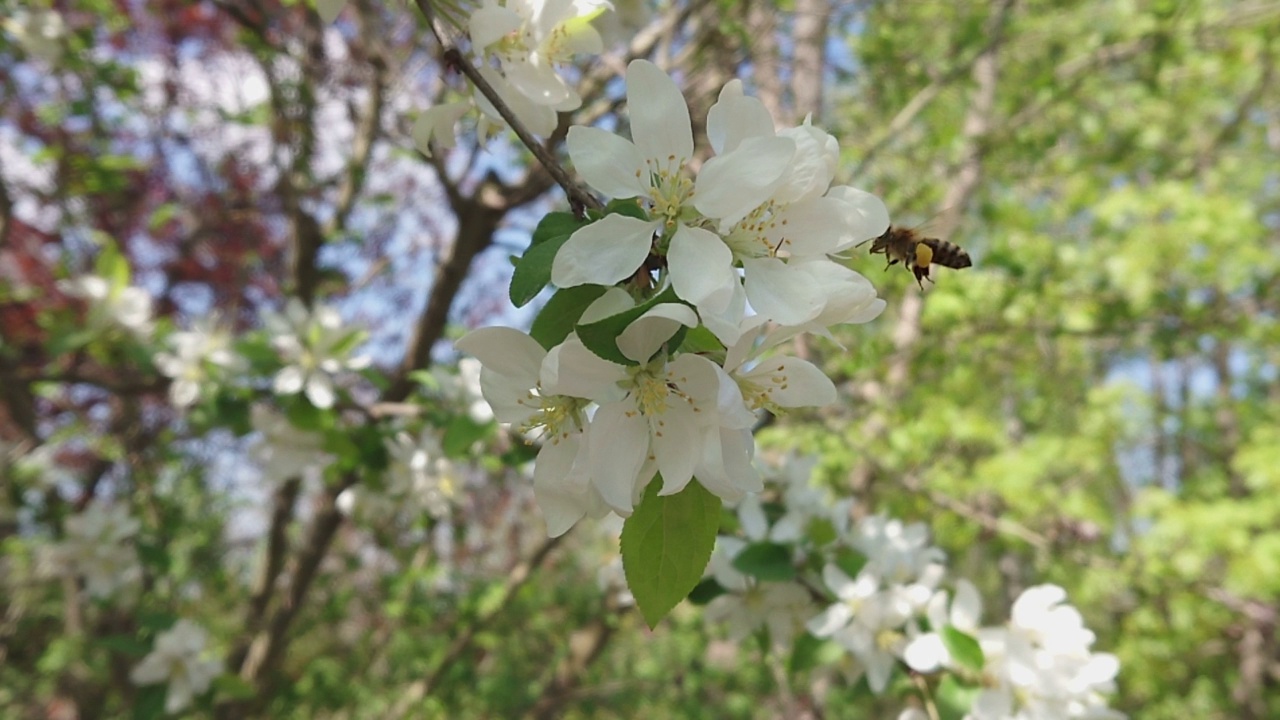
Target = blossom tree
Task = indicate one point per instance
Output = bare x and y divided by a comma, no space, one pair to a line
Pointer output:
384,360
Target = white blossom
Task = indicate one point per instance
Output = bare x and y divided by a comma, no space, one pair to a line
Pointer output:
530,37
99,547
314,346
195,353
1040,666
177,659
510,379
435,126
111,305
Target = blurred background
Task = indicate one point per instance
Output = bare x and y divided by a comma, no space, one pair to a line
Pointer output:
1094,403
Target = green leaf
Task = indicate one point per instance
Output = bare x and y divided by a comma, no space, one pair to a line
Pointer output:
629,207
849,561
127,645
149,703
305,416
666,545
233,687
765,561
554,225
964,649
601,337
556,319
955,699
461,433
701,340
533,271
155,621
706,591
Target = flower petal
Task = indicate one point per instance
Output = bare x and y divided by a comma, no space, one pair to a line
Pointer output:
730,186
604,252
647,333
660,125
866,216
562,494
701,266
505,351
736,117
617,443
608,163
489,23
782,292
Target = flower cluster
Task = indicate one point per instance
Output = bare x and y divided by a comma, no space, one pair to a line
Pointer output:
99,547
1039,665
674,389
528,39
177,659
891,610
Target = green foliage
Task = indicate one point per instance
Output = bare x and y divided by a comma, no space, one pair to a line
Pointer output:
666,544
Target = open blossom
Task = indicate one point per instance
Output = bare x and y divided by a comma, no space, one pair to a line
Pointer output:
314,346
530,37
654,416
177,659
99,547
1040,666
510,379
420,474
753,231
111,305
868,619
652,167
197,352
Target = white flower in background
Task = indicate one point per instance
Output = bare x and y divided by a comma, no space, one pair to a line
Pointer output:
469,384
177,659
420,474
283,451
926,652
868,620
538,119
530,37
898,552
511,366
195,352
435,126
651,167
99,547
314,346
1040,666
749,605
39,32
110,305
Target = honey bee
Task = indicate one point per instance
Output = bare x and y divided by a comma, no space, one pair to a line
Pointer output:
916,253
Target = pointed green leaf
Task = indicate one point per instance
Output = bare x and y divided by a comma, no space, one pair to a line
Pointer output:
556,319
601,337
666,545
964,649
533,271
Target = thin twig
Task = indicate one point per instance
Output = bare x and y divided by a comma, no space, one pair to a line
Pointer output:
453,57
